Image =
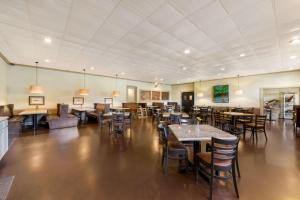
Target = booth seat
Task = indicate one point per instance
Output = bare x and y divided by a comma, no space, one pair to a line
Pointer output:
62,119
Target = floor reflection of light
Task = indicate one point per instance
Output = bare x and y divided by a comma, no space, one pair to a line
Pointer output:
36,161
84,150
64,135
155,144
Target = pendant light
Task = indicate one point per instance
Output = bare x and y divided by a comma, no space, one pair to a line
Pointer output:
115,92
200,93
238,91
83,91
36,89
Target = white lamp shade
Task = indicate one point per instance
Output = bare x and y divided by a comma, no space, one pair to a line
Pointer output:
239,92
115,93
36,89
83,92
200,94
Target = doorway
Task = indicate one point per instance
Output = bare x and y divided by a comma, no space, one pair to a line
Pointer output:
131,94
187,101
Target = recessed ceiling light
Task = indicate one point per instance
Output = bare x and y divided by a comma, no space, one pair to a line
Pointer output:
161,79
92,68
291,68
242,55
122,73
47,40
47,60
187,51
293,57
184,68
295,41
222,68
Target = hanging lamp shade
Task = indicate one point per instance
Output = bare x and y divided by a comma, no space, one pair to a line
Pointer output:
238,91
36,89
200,93
116,93
83,91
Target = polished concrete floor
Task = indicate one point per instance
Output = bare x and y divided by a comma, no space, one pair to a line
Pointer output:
89,163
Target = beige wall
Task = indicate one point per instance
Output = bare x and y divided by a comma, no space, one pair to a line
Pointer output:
3,81
61,87
252,87
178,89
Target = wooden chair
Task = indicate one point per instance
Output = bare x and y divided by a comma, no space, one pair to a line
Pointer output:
171,149
175,119
296,118
118,123
259,125
103,120
220,159
219,120
237,131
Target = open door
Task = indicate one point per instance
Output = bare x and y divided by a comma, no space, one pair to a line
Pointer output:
187,101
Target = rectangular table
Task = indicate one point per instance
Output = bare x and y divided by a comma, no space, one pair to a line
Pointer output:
82,113
197,133
183,114
234,115
34,113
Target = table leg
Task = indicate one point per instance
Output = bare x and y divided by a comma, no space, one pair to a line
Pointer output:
34,118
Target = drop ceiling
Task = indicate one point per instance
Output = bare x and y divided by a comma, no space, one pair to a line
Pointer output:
146,39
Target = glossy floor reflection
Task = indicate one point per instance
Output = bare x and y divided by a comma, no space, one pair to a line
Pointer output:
92,164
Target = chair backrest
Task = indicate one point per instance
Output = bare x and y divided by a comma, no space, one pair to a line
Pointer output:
118,118
260,120
63,110
234,130
223,153
217,116
164,132
175,119
297,115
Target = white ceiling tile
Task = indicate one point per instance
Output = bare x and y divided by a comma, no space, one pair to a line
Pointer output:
165,17
146,39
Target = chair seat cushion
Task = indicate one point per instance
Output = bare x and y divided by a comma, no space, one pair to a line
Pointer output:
253,125
205,158
176,145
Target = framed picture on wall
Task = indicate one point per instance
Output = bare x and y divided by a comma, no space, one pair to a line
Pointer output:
221,93
165,95
36,100
145,95
109,101
155,95
78,100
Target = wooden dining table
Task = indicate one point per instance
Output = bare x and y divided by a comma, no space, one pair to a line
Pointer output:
82,113
198,133
34,114
235,115
168,114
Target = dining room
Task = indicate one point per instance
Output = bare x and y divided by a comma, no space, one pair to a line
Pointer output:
149,99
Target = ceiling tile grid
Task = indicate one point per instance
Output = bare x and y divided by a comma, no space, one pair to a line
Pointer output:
145,40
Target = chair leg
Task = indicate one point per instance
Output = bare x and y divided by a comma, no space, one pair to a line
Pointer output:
211,184
165,165
234,181
237,165
256,135
265,135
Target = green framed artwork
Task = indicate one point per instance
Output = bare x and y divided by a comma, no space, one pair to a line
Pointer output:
221,94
